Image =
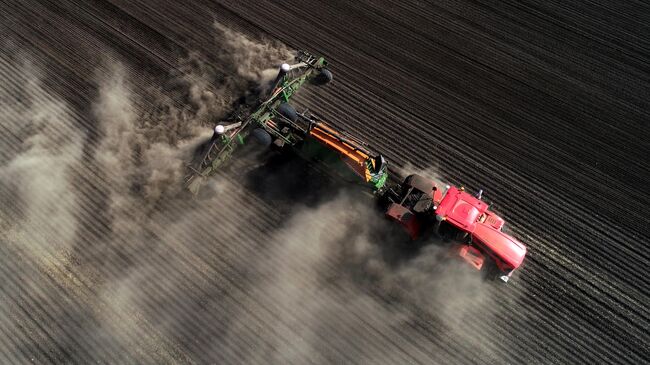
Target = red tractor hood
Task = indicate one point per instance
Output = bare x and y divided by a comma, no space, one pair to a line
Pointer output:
461,209
505,247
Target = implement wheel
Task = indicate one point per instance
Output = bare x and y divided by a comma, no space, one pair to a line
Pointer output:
324,77
261,137
288,112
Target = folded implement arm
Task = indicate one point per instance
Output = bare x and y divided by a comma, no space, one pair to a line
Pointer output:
227,138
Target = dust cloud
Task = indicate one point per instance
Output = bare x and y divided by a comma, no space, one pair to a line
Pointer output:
155,224
42,146
42,149
139,271
329,262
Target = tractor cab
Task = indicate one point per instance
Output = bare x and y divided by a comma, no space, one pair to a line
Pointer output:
461,209
464,211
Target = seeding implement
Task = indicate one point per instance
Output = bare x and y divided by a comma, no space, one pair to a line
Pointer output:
271,120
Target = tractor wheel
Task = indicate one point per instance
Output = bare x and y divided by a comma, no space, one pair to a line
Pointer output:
324,77
461,237
490,270
288,112
261,137
421,183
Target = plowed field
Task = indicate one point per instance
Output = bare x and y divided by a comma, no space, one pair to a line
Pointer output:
104,258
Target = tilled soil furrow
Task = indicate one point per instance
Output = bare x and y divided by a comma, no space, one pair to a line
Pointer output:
541,104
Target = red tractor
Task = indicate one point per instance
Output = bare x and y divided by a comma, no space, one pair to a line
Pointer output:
425,209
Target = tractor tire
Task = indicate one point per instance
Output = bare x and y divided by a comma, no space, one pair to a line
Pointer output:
419,182
261,137
490,272
324,77
288,112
